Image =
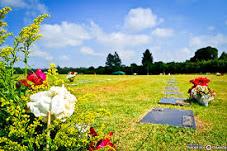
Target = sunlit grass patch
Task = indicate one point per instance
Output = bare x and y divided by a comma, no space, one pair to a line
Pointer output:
129,98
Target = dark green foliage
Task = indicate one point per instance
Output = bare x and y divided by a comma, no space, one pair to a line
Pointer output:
110,60
113,63
117,60
207,53
147,60
223,56
113,60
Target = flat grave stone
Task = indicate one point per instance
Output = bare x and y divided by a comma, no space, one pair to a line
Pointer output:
172,93
173,117
171,82
169,88
173,101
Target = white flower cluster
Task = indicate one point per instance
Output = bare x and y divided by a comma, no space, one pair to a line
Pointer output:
58,101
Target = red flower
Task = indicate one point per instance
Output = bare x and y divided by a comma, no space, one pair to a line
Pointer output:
203,81
24,82
37,78
93,132
101,143
105,142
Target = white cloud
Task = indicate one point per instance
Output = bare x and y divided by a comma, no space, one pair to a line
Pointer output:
126,54
63,35
123,40
208,40
14,3
30,5
118,39
140,18
163,32
89,51
36,52
32,8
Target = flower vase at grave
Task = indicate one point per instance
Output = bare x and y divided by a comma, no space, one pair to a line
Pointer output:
204,99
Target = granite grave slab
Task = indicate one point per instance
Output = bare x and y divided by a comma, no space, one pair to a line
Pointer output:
173,101
173,117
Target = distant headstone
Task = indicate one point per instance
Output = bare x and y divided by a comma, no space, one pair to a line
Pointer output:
173,101
171,88
167,101
172,93
173,117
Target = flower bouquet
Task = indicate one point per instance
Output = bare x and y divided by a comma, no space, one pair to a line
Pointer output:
200,91
71,76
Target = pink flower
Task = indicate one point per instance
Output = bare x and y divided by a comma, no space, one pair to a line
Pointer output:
105,142
40,74
37,78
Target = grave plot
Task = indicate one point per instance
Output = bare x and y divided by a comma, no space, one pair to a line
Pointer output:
172,95
173,117
174,101
171,88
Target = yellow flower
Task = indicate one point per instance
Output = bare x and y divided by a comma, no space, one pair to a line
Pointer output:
5,52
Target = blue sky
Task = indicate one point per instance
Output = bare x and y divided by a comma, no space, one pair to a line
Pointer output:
80,33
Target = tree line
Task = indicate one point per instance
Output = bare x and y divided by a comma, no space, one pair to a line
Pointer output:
205,60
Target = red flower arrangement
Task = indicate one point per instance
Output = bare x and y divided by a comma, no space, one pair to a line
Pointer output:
200,91
203,81
36,78
102,143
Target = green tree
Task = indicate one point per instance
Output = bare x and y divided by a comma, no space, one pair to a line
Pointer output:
110,60
117,60
207,53
223,56
113,60
147,60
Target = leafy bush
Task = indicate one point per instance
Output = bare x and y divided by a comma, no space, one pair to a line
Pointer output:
19,128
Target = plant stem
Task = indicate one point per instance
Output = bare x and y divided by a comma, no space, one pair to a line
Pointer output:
48,132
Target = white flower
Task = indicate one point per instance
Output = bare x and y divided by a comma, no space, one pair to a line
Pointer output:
82,128
58,101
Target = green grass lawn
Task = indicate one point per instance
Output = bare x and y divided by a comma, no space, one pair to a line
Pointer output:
129,98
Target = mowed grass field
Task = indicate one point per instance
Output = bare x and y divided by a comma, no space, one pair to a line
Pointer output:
128,98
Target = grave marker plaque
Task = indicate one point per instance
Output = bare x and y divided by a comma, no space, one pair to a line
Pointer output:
173,117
